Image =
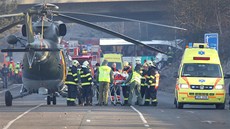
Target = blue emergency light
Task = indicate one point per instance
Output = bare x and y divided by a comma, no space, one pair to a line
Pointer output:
190,45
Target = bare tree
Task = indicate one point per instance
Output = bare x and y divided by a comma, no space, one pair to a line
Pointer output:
204,16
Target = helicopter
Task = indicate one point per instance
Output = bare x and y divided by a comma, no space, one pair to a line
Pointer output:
44,62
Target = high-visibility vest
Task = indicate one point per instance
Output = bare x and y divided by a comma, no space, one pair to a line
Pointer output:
17,68
104,73
11,67
136,77
157,79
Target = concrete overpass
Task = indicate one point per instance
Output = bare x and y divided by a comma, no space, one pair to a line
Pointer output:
146,10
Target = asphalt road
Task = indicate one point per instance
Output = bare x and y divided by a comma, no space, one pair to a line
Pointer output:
31,112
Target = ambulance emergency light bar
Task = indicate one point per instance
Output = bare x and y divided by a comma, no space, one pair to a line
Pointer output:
201,58
198,45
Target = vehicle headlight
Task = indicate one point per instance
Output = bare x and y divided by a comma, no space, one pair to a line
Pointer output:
219,87
184,86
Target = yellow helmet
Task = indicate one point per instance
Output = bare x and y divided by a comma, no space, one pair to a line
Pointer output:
126,63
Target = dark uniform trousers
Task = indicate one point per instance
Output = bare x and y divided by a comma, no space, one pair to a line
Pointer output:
72,94
86,80
125,91
143,90
151,93
71,82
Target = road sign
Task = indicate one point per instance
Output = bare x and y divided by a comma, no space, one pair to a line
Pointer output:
212,40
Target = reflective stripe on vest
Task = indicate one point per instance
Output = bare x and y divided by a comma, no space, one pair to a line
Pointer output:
157,79
136,77
104,73
71,99
70,82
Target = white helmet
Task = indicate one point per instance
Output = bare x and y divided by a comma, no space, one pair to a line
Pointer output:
149,63
85,63
138,60
75,63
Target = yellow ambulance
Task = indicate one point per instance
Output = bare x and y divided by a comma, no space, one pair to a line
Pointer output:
200,78
114,58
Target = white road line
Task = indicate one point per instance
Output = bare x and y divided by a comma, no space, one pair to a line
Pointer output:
141,116
3,91
12,121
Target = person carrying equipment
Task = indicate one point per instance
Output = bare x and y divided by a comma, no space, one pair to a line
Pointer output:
71,82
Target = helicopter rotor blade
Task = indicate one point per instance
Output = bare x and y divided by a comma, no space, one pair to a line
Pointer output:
129,39
29,28
10,26
121,18
12,15
31,49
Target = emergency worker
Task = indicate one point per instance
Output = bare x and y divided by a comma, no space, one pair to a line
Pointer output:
77,68
153,83
86,83
144,85
16,72
115,88
170,55
11,69
95,82
5,72
125,88
134,80
71,82
138,63
105,77
113,67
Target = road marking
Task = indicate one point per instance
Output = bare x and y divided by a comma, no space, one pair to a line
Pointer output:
190,112
12,121
208,121
3,91
141,116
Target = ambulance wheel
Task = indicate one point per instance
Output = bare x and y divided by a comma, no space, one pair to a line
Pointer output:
178,105
48,100
54,100
8,98
220,106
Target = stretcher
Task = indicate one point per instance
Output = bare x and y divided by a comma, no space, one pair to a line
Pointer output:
115,88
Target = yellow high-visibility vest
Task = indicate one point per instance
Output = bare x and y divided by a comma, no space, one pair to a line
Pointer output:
104,73
136,77
157,79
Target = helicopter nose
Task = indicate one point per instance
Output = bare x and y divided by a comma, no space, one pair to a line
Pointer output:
40,55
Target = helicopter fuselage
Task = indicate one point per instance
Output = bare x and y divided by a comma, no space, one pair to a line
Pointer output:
44,69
